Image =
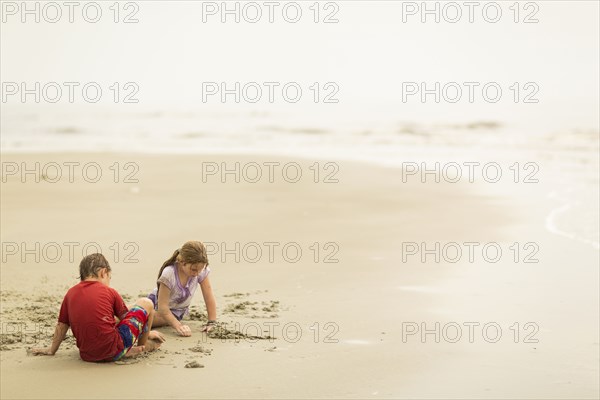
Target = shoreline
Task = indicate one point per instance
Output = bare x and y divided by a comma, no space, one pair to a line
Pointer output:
550,219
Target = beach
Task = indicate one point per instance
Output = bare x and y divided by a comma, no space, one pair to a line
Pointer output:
342,319
397,199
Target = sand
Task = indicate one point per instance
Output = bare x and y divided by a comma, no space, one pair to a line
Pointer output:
353,315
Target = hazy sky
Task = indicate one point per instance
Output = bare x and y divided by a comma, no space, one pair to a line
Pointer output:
369,53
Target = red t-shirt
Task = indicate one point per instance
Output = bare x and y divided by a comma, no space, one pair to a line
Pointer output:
89,308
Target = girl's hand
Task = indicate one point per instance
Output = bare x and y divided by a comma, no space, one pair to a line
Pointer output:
155,335
41,352
209,326
184,330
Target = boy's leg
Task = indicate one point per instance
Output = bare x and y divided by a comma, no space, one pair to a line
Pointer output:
135,326
147,305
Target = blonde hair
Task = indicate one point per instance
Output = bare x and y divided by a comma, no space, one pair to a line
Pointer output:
190,253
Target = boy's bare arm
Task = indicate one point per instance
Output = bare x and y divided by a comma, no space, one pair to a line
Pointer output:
59,335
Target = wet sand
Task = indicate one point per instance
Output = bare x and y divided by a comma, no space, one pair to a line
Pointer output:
317,329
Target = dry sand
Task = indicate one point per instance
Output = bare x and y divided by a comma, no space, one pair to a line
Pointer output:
367,298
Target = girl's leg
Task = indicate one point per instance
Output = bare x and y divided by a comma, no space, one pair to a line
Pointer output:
159,321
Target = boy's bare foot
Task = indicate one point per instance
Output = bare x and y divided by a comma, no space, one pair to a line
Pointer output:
151,345
134,352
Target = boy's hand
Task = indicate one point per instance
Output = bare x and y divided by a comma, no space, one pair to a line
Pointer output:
155,335
41,352
184,330
207,328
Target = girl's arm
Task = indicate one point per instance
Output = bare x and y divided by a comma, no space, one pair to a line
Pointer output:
209,299
59,335
164,294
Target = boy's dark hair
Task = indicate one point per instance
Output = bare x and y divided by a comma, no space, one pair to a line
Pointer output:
91,265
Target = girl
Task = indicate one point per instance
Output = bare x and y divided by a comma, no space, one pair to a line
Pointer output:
178,279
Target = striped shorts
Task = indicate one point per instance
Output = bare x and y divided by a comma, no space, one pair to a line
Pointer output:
131,327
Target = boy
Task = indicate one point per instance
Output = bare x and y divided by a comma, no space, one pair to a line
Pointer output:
90,307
